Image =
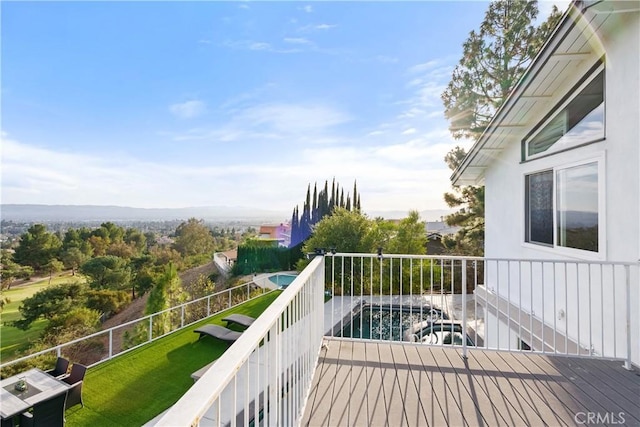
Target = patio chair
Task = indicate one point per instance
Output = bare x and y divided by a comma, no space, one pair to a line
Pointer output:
239,319
219,332
62,365
48,413
75,380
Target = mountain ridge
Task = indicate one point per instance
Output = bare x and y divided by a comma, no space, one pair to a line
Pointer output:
63,213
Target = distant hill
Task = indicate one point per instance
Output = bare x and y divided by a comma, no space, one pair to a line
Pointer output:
426,215
79,213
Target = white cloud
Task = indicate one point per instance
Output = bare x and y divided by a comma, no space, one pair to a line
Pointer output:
188,109
426,66
316,27
258,46
274,121
386,59
409,131
307,8
293,117
296,40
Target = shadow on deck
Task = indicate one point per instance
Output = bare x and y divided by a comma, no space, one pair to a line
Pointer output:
369,383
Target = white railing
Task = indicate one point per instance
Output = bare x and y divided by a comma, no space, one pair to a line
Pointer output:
584,309
109,343
265,376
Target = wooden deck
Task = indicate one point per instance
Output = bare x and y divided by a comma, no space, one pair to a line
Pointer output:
384,384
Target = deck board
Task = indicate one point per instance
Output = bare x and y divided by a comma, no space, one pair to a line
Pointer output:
391,384
525,401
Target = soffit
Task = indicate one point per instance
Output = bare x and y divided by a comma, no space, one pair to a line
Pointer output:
572,50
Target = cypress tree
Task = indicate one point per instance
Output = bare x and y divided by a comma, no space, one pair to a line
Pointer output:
314,212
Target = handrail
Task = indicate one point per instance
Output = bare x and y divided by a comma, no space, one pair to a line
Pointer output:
193,405
109,331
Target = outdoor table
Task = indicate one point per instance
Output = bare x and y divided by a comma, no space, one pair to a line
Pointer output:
40,387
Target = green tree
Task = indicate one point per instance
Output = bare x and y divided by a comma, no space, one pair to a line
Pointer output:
167,290
107,301
107,272
347,231
53,266
493,60
193,238
410,237
75,323
37,247
136,240
50,302
10,270
73,258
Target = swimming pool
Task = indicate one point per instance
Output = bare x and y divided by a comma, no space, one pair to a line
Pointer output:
388,322
282,280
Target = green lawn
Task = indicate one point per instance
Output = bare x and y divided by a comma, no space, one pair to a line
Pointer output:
133,388
14,340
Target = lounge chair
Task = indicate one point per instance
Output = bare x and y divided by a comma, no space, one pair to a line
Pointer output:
239,319
219,332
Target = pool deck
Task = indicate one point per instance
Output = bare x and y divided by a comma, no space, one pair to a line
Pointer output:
393,384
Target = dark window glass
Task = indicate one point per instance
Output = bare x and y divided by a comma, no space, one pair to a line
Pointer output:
582,120
577,207
539,197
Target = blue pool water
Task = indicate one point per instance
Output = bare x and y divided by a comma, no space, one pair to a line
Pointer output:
282,280
387,322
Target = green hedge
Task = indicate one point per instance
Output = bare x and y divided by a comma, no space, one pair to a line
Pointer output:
255,259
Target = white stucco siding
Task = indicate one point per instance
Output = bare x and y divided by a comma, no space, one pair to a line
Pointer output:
589,302
620,150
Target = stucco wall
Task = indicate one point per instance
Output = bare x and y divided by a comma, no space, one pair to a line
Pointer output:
505,195
505,179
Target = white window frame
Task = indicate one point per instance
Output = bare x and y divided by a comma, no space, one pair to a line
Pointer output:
559,109
598,158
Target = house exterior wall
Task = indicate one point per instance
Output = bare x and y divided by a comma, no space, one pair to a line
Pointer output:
505,192
505,210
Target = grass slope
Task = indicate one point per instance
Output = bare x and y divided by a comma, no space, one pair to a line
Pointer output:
135,387
14,340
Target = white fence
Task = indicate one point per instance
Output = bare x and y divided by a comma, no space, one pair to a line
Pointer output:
556,307
265,376
109,343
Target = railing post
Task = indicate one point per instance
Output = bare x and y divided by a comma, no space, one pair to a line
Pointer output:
627,362
182,316
209,306
150,327
110,343
464,308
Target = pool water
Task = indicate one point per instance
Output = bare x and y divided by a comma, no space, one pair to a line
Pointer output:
388,322
282,280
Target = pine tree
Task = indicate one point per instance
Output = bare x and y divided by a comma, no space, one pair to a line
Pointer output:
494,59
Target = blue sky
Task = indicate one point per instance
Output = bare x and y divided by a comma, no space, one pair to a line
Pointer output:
176,104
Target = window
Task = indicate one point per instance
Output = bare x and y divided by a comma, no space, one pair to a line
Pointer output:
576,122
539,190
562,207
577,207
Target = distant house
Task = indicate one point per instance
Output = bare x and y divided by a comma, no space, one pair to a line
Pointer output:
280,232
560,162
436,230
